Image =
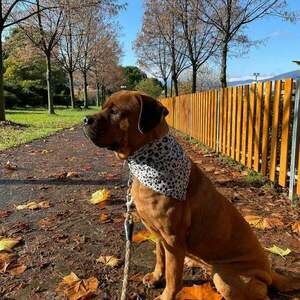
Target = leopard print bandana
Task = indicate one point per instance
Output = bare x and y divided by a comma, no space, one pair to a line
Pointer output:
162,166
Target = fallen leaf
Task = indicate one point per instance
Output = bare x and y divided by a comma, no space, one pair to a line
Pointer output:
263,223
75,288
104,218
72,174
276,250
45,151
33,205
111,261
99,196
296,227
5,259
8,243
199,292
10,166
61,175
16,269
142,236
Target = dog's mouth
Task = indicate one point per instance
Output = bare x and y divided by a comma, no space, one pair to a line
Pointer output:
92,136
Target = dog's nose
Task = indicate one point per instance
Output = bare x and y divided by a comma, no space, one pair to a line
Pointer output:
88,120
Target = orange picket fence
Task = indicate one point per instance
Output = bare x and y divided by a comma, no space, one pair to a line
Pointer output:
256,125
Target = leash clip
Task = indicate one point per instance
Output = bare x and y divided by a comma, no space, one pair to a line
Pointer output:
128,225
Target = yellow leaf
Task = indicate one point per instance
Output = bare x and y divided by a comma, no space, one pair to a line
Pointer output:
45,151
263,223
8,243
276,250
99,196
296,227
33,205
111,261
144,235
72,174
199,292
75,288
104,218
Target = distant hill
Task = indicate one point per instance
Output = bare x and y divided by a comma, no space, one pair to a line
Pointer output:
292,74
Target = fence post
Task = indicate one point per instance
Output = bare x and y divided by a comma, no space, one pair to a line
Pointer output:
295,143
218,121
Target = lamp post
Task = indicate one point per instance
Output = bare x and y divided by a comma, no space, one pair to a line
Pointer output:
256,76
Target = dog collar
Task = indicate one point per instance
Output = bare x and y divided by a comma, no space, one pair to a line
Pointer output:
162,166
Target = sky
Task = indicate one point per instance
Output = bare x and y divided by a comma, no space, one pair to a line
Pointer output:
281,43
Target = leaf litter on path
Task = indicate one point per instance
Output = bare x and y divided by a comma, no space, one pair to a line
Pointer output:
75,288
199,292
33,205
99,196
109,260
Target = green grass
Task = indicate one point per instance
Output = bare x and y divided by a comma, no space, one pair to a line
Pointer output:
255,178
37,124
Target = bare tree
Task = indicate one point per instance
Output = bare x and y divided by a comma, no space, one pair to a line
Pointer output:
200,37
160,20
153,57
70,44
230,17
44,30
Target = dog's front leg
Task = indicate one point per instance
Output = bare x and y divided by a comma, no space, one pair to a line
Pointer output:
154,278
174,269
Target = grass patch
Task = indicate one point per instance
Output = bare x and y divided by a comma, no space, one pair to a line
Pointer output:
25,125
255,178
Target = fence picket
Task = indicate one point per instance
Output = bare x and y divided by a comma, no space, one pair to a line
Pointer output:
229,104
257,126
251,125
245,123
233,122
274,139
239,123
288,89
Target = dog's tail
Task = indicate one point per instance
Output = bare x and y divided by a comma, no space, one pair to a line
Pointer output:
283,283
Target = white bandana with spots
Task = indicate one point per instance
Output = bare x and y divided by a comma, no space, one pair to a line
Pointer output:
162,166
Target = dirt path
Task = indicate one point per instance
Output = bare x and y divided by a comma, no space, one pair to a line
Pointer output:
69,236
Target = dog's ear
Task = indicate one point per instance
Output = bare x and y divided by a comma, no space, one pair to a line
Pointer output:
151,113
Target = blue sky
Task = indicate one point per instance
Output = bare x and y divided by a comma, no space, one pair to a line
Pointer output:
281,43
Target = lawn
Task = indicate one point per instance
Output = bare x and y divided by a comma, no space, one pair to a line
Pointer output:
36,123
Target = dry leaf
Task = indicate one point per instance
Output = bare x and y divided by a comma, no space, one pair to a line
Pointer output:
72,174
45,151
75,288
8,243
5,213
111,261
16,269
142,236
276,250
104,218
5,259
99,196
263,223
10,166
33,205
199,292
296,227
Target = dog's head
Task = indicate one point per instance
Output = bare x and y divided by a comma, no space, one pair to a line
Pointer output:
128,121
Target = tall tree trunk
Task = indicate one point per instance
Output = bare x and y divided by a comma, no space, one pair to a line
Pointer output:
175,81
2,102
85,90
194,78
223,75
166,87
102,94
49,85
71,86
171,94
98,94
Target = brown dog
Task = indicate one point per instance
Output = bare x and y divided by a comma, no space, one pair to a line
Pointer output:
205,226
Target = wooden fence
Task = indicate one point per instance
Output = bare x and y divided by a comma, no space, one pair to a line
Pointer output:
256,125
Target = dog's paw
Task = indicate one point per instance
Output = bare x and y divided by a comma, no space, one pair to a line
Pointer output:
151,280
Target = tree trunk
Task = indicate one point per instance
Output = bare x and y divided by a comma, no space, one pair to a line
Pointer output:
49,85
2,102
85,90
98,95
171,88
71,86
194,78
175,81
102,94
166,87
223,76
